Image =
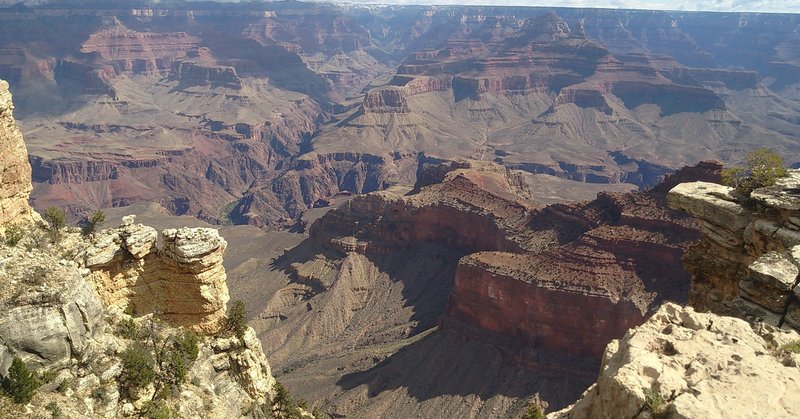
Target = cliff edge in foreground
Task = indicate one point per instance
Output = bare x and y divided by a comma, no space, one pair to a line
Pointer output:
748,261
683,364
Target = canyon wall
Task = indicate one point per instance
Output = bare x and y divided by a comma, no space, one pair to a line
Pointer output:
495,296
538,277
681,363
15,177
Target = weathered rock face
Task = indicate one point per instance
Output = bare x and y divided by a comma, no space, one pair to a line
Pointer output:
183,282
131,52
15,177
193,74
50,314
747,261
495,295
698,365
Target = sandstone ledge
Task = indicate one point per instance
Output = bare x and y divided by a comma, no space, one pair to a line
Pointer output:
702,365
745,264
183,281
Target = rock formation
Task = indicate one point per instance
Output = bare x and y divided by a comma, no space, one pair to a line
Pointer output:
550,286
183,281
74,306
50,313
15,178
681,363
684,364
747,262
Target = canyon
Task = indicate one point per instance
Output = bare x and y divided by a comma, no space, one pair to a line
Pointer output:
505,298
500,290
427,211
254,114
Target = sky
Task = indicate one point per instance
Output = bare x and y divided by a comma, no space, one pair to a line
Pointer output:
769,6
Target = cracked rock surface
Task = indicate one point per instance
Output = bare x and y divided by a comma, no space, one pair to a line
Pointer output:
697,365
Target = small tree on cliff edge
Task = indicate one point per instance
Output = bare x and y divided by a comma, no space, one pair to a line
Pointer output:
56,219
535,408
237,319
89,224
764,168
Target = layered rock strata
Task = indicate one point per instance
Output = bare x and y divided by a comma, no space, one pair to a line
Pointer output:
684,364
15,176
747,261
609,260
183,281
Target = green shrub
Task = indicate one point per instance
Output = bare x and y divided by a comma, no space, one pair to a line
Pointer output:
21,383
14,234
55,218
535,408
54,410
175,368
237,319
89,224
127,329
188,345
764,168
284,405
47,376
138,368
157,410
793,347
655,403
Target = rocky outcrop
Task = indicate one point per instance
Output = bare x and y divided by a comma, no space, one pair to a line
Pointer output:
619,255
747,261
54,320
183,281
466,196
499,295
15,176
385,100
684,364
193,74
68,300
50,314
